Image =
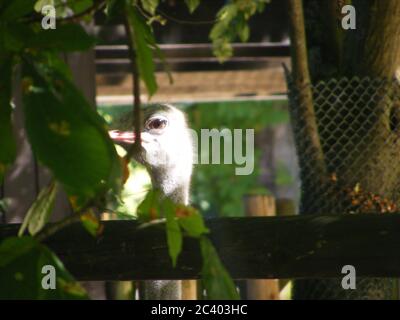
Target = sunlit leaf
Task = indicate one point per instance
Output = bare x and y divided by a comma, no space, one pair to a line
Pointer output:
144,44
150,208
63,8
41,3
150,5
174,233
232,22
193,223
192,5
39,213
91,223
216,280
67,135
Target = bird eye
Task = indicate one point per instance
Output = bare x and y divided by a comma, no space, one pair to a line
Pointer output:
156,124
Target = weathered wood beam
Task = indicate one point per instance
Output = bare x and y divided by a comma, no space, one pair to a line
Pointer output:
266,247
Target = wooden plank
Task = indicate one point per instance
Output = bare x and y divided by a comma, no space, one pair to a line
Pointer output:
261,289
192,50
264,247
196,56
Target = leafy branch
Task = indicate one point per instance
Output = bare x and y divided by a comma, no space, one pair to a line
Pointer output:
68,137
232,23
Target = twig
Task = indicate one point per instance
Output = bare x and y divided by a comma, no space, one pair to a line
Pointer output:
36,175
96,6
185,22
136,108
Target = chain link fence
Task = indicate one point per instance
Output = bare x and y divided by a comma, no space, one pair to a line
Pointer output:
350,165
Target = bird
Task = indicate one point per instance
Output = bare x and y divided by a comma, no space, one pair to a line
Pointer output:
167,153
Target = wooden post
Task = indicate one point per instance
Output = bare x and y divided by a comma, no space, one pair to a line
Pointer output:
261,289
284,207
189,289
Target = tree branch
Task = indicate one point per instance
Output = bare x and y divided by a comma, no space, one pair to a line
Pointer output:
303,115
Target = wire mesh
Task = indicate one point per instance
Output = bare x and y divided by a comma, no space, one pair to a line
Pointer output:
358,122
350,165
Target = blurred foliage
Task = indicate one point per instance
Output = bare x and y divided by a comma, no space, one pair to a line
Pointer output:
21,263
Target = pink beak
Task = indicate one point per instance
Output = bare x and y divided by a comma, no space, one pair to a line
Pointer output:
122,137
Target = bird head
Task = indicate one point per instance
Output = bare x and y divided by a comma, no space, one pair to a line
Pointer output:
166,142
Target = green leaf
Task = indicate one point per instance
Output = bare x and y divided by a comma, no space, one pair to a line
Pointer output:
7,140
216,280
61,6
39,213
232,22
55,62
80,6
13,36
114,8
41,3
21,263
65,38
67,135
12,248
174,233
91,223
192,5
243,31
144,44
149,209
150,5
193,224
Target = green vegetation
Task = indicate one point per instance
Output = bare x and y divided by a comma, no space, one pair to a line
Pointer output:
69,138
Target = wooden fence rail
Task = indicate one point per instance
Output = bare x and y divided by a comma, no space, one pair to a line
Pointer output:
195,57
260,247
